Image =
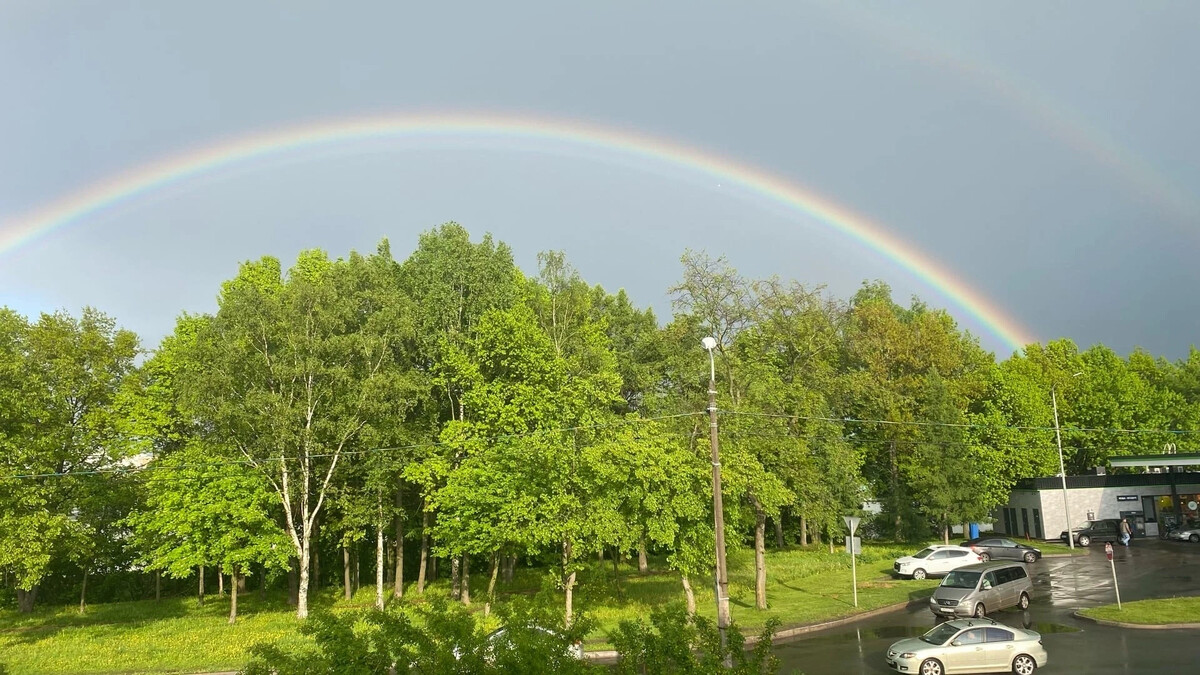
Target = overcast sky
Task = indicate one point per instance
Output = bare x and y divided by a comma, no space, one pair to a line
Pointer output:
1045,155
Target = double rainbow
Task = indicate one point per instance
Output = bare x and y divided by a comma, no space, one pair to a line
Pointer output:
125,187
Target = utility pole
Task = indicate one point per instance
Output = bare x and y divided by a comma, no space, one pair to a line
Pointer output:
722,585
1062,470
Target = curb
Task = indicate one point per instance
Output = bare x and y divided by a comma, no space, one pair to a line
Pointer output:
610,656
1139,626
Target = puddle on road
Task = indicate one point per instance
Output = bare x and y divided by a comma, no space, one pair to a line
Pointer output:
1051,628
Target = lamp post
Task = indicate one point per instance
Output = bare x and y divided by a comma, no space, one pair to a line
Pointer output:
722,580
1062,470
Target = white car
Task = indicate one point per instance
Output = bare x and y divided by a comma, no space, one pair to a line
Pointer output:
936,560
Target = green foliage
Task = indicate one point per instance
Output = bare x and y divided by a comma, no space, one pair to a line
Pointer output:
432,639
674,643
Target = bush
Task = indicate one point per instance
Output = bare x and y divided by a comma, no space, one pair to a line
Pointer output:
437,638
673,643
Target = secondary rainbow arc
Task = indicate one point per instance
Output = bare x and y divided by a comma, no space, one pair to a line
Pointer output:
103,195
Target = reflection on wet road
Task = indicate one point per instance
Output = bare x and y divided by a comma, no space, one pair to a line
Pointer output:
1150,568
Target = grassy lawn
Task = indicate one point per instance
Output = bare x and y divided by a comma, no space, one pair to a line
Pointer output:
1150,612
174,635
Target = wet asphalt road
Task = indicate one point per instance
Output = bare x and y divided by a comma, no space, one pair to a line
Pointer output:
1148,569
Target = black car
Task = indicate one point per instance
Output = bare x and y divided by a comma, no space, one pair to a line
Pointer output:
1108,529
1000,548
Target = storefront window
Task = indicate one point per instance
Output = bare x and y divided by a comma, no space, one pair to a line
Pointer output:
1189,508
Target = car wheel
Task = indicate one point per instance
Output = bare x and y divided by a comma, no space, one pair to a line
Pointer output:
1024,665
931,667
918,573
1031,557
1023,603
980,611
1195,538
1084,540
985,556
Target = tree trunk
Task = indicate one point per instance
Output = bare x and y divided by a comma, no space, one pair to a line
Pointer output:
491,593
302,585
760,559
200,591
293,582
433,569
347,592
262,586
357,559
816,535
779,542
240,580
568,582
220,583
83,591
316,555
616,561
895,469
946,532
26,598
158,584
455,582
510,569
689,594
379,562
421,566
803,530
235,584
398,579
466,580
643,566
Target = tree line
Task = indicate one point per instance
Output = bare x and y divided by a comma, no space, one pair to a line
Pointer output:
451,403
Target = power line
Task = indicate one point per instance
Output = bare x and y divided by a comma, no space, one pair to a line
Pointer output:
963,425
128,470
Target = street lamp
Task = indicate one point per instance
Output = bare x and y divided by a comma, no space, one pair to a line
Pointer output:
722,589
1062,469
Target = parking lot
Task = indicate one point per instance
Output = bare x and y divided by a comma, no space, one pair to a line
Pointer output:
1148,569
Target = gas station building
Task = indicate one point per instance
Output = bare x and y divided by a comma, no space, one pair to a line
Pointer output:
1166,494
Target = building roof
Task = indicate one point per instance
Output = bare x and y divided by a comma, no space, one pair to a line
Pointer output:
1110,480
1182,459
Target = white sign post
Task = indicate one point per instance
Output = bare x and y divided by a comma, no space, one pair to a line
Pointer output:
1108,551
852,523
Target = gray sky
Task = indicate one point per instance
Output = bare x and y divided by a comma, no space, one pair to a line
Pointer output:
1043,154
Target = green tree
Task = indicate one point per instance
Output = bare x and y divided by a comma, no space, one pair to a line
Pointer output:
294,371
60,377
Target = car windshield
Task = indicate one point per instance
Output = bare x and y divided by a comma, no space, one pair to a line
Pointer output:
961,579
924,553
940,634
1084,525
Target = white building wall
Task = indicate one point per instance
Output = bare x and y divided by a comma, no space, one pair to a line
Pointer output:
1100,503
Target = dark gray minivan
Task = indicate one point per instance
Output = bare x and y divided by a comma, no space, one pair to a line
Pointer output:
975,590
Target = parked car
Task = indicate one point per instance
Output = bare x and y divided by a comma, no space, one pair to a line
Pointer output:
1191,534
977,589
1001,548
935,561
1095,530
969,646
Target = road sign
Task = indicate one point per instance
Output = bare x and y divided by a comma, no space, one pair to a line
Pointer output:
854,545
1108,550
851,523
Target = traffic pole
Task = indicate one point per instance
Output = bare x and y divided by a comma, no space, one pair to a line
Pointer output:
852,525
1108,551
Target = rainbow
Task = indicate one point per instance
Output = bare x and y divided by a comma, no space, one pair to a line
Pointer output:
125,187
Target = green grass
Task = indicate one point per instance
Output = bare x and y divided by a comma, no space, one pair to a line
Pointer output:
1150,612
804,586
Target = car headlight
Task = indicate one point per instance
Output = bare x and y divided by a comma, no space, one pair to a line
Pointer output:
908,655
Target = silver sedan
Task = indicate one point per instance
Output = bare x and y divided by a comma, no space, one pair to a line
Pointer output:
1191,534
969,646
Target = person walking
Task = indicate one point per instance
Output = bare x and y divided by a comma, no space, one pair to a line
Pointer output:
1126,532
